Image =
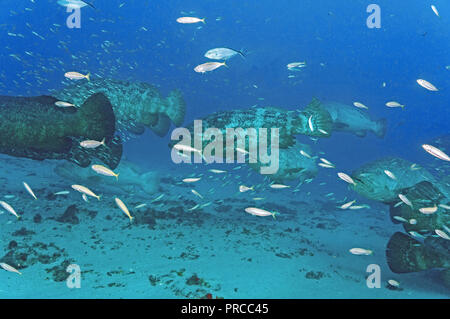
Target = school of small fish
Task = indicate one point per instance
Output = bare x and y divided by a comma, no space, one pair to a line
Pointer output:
222,55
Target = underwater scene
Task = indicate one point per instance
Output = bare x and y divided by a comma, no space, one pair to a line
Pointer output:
193,149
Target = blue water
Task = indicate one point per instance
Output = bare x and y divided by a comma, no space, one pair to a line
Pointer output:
346,62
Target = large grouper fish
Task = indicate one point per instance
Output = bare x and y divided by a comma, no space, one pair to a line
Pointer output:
289,123
34,127
421,248
406,255
372,181
136,104
311,121
347,118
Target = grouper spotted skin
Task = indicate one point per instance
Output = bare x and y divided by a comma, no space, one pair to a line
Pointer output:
34,127
136,104
419,248
406,255
372,182
289,123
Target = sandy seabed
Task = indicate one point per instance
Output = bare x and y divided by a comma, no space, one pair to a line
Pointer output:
170,251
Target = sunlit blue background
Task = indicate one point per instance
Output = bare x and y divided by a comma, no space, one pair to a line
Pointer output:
412,43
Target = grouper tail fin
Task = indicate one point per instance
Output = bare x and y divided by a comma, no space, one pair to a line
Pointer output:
381,128
176,107
318,121
96,121
405,254
95,118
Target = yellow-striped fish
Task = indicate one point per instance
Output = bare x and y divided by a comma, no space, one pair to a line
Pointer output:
123,208
29,190
85,190
100,169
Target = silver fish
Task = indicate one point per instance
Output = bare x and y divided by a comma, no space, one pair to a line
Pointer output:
436,152
427,85
208,67
190,20
10,268
259,212
223,54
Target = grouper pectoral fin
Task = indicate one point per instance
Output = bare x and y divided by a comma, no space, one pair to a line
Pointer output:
96,121
320,118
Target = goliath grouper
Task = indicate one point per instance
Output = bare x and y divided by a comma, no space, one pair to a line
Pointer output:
422,195
136,104
312,121
34,127
406,255
421,248
372,181
234,132
424,249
